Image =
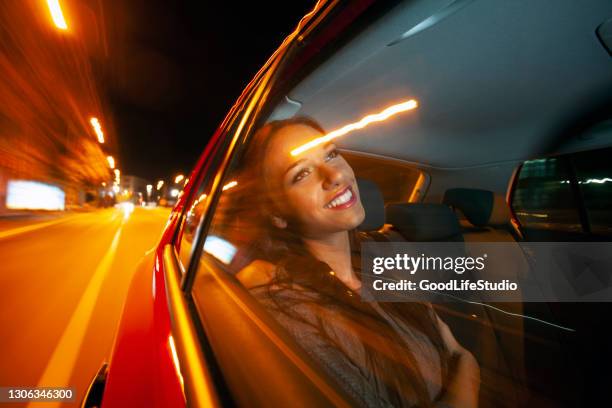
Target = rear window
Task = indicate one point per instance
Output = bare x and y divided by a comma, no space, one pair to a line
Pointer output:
543,197
571,193
594,177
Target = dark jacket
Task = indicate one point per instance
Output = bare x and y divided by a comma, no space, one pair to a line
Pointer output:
379,353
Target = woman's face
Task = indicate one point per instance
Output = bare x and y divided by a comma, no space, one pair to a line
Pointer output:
315,189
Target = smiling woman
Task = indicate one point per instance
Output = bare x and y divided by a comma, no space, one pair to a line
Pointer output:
315,191
293,223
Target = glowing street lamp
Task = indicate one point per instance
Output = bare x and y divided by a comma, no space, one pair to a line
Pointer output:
179,178
95,123
160,184
56,14
111,161
229,185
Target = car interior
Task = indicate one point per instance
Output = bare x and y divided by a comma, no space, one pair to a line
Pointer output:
510,142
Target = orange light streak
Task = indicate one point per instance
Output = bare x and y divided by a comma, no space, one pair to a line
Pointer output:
230,185
365,121
97,128
56,14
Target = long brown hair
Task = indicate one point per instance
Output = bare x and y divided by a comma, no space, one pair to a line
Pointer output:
298,269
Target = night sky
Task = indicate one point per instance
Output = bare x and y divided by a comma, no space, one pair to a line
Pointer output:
174,70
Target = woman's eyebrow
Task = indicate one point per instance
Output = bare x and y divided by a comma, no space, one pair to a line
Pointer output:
294,164
325,146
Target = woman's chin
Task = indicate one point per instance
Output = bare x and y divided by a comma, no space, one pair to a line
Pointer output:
356,218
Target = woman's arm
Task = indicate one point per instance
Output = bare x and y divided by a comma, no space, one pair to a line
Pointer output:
464,383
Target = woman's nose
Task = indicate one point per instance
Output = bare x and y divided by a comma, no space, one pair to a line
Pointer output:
332,177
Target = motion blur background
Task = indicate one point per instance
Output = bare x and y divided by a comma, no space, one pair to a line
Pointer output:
104,109
100,99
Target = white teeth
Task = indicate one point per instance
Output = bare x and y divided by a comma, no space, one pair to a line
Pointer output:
345,197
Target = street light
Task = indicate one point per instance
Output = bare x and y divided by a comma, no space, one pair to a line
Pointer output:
229,185
179,178
95,123
56,14
111,161
149,189
160,184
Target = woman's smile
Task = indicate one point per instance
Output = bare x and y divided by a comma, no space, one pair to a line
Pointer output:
343,200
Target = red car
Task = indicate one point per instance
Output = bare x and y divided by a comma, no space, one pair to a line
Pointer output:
494,98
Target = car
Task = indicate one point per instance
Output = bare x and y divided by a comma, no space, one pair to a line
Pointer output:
484,121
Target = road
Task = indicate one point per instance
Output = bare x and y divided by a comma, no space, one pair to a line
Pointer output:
63,284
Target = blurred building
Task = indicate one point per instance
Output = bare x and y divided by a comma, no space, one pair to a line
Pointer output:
132,188
49,90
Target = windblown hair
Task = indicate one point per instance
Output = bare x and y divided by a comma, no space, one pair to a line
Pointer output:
296,271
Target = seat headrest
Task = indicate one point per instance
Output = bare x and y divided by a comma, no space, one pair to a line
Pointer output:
373,204
480,207
421,222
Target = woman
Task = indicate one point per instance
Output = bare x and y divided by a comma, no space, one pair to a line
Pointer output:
383,354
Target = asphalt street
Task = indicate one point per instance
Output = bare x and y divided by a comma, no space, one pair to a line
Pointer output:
64,281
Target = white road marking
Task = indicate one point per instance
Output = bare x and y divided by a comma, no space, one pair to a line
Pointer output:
61,364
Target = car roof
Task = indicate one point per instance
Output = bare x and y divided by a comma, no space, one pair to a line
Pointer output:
493,79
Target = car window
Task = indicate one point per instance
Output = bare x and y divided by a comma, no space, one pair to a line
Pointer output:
594,176
192,218
550,193
543,197
197,203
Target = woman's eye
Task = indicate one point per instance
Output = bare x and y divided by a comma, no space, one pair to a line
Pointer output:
300,175
333,154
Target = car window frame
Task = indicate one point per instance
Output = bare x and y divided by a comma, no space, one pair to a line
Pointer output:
203,382
203,177
255,97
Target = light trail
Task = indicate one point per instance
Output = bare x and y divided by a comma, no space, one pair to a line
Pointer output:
57,15
365,121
